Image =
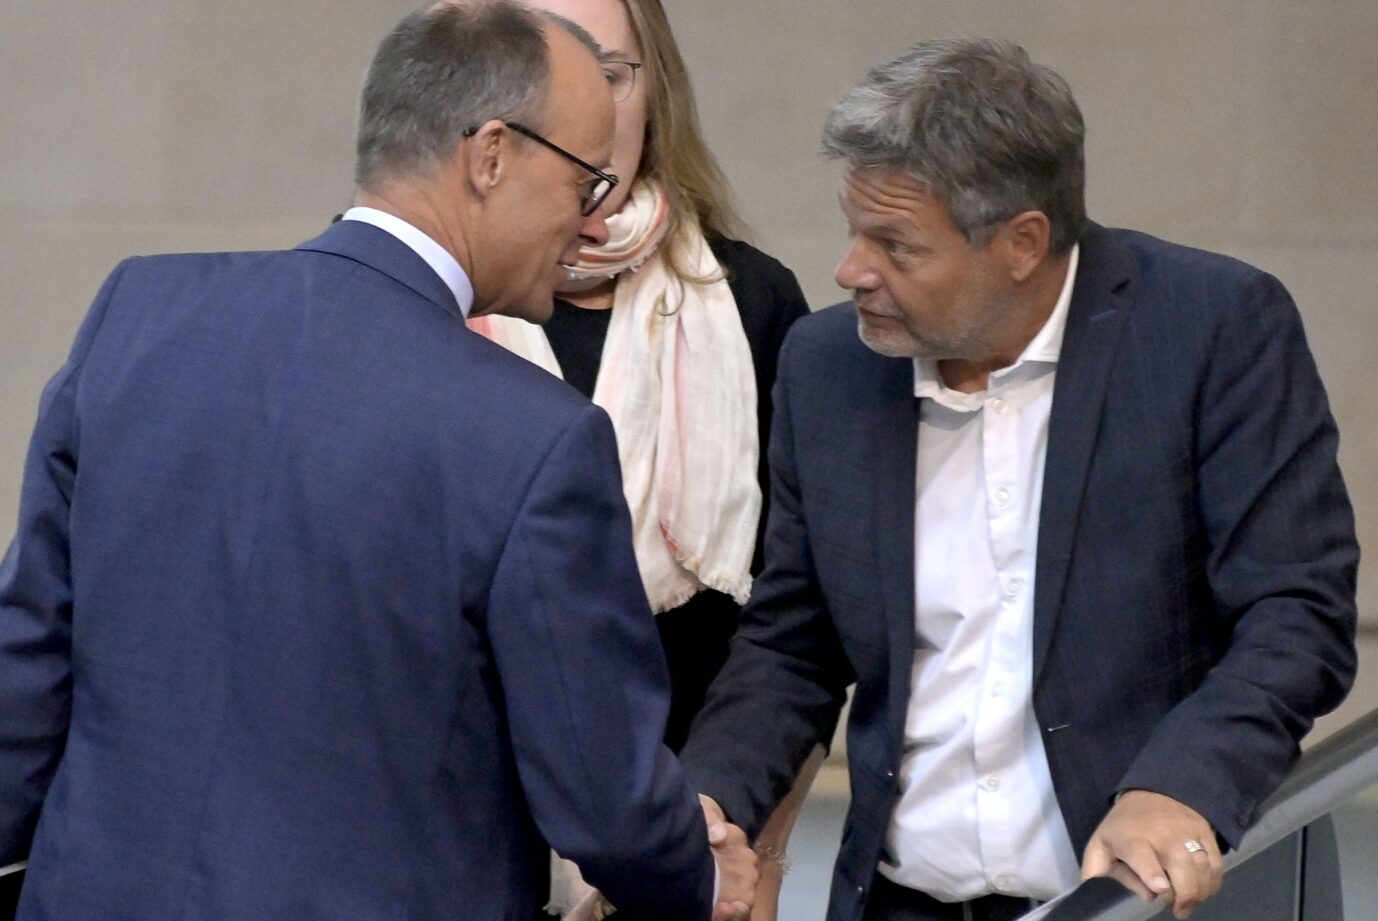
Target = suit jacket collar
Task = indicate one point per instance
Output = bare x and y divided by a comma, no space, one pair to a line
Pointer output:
1101,302
381,251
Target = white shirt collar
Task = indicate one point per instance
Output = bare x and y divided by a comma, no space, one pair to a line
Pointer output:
436,256
1046,346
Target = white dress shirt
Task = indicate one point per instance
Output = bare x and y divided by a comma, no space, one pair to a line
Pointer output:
976,812
436,256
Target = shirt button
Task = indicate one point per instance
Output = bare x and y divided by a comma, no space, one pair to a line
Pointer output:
1014,588
997,689
1002,497
1002,883
998,405
991,783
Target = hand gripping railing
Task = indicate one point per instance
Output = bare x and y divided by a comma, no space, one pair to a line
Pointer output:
1326,776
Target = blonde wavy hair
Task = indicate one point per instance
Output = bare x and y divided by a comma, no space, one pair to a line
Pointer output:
675,154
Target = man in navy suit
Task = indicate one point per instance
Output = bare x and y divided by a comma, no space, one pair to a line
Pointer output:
322,606
1062,501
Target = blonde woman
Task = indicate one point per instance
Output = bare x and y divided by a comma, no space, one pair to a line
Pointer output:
673,327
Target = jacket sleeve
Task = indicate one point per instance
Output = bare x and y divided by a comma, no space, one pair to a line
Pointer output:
1281,566
36,605
586,688
785,681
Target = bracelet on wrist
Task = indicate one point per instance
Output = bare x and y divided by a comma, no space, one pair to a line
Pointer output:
774,855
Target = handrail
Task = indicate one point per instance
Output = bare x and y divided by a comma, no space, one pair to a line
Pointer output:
1328,774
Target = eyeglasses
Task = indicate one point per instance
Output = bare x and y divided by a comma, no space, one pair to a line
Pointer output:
595,190
621,77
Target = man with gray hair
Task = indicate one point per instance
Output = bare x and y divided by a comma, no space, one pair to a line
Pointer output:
1061,500
322,606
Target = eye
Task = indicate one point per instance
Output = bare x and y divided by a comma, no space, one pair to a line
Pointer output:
896,248
621,76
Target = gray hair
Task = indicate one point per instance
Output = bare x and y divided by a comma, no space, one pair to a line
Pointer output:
986,130
444,70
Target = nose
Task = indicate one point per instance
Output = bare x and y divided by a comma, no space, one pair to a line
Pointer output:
594,230
853,272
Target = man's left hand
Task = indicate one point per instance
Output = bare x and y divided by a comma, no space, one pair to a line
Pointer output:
1149,843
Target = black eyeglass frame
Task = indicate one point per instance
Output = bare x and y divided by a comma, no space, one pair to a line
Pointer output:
596,196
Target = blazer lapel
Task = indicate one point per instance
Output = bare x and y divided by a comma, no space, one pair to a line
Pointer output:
894,441
1101,300
380,250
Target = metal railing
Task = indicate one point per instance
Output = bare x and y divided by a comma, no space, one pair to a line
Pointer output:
10,879
1333,771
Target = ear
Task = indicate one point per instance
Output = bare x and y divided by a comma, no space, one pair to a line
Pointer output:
484,157
1024,242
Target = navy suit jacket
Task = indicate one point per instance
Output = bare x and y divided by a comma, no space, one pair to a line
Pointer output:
1195,574
323,607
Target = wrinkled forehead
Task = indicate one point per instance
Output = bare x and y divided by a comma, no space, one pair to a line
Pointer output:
578,113
886,194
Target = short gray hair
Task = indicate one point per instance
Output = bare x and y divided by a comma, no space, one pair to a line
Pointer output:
986,130
444,70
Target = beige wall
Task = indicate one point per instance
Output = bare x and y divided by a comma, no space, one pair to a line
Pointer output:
135,127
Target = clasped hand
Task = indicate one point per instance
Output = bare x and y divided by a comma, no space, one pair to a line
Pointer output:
737,872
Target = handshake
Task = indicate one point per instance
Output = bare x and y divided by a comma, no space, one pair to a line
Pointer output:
736,862
737,874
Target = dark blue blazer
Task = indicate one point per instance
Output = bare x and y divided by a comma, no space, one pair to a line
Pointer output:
1195,576
324,607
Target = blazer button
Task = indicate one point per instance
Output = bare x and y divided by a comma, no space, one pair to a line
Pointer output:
1246,813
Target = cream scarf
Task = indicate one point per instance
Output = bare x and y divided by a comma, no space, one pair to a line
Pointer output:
677,380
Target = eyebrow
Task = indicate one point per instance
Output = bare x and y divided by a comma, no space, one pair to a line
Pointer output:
884,227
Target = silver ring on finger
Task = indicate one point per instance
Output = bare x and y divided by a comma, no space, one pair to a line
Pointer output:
1193,846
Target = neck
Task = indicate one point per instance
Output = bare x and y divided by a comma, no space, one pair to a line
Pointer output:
421,207
1035,298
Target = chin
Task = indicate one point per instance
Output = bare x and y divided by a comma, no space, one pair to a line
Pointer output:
891,343
533,307
537,312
